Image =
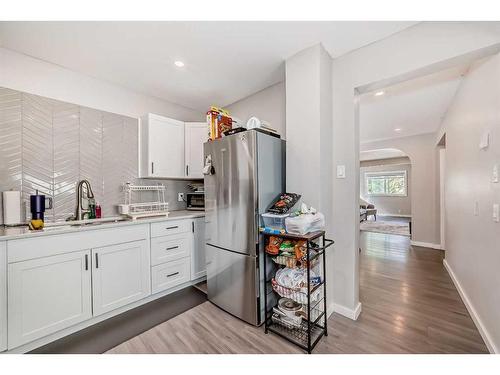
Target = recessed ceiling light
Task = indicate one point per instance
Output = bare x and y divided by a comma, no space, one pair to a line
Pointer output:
179,64
379,93
397,129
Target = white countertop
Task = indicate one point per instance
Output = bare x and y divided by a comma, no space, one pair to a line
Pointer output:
12,233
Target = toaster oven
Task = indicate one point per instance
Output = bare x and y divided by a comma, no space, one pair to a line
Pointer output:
195,201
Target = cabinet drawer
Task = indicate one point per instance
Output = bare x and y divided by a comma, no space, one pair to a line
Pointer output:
168,275
168,248
171,227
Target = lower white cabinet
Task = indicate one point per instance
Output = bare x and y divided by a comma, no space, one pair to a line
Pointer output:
3,296
120,275
167,248
198,262
171,274
54,282
48,294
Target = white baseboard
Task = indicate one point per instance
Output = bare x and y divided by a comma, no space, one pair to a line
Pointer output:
345,311
426,244
475,317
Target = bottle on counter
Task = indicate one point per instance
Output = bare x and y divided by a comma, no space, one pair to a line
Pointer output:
98,211
92,208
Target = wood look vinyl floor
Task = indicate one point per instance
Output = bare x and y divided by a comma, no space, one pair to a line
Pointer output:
410,305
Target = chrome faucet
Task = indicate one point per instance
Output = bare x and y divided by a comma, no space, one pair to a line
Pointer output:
84,194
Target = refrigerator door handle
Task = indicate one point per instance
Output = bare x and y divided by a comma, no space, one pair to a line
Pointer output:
257,281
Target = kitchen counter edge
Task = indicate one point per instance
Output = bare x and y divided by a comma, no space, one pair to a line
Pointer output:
15,233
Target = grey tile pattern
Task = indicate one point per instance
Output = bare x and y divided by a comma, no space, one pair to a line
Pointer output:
66,158
38,148
91,150
49,145
112,160
10,141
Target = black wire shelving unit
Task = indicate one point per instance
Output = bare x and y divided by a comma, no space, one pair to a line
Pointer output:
313,300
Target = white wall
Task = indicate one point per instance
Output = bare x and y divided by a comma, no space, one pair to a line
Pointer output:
27,74
387,205
473,242
267,104
421,149
418,50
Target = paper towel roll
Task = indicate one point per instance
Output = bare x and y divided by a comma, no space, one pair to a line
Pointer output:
11,207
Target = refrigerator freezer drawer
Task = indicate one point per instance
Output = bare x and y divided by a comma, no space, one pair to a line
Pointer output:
231,282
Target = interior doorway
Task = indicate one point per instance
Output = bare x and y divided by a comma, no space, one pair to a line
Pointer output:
385,192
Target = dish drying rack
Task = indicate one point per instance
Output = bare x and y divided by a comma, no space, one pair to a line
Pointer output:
145,209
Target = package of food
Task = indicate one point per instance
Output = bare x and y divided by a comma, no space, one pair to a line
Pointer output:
284,203
303,224
273,245
218,121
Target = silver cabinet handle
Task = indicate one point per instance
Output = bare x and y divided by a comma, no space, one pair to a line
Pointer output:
86,262
175,227
173,274
96,260
187,170
172,248
152,167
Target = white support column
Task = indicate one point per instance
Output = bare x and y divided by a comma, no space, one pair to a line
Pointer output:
309,136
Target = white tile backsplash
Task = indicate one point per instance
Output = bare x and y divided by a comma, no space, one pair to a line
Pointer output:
50,145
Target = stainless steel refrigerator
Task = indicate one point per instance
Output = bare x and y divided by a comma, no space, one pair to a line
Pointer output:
248,173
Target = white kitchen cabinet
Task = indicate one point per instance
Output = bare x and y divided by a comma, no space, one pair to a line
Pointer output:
161,147
48,294
198,262
168,275
167,248
195,136
3,296
120,275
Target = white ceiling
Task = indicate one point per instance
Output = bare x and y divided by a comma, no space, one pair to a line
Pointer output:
414,107
224,61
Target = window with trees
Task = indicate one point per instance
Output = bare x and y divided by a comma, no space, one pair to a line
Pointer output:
386,183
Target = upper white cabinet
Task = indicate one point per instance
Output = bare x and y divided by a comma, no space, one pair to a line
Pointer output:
171,148
48,294
120,275
3,296
161,147
196,135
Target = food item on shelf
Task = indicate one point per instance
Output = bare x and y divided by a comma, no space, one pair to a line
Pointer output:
286,247
304,223
284,203
297,294
273,245
289,312
300,250
218,121
287,261
271,231
293,278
